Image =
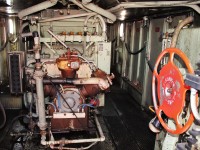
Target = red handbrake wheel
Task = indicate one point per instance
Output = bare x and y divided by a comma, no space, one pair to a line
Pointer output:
171,91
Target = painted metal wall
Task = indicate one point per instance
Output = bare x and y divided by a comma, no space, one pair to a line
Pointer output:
135,74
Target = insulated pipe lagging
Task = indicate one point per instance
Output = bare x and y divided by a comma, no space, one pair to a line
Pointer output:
23,35
103,84
40,101
67,17
79,5
100,11
125,5
193,104
86,1
36,8
178,29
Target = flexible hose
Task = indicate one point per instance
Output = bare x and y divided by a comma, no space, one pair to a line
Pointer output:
178,29
4,116
135,53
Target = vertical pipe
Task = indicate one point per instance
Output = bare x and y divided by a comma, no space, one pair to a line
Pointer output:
40,99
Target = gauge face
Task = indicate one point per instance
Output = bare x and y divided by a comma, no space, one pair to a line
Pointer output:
2,32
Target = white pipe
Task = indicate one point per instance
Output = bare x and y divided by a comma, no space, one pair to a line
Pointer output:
103,27
36,8
70,148
57,38
152,4
100,139
38,76
43,60
103,84
22,27
79,5
91,43
195,7
85,30
49,47
100,11
77,20
193,104
91,65
67,17
26,34
86,1
102,23
86,20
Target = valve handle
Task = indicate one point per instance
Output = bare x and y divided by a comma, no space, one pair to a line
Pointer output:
169,90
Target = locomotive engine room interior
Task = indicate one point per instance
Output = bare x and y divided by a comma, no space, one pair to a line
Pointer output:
99,74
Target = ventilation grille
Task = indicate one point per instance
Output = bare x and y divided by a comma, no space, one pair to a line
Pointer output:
15,62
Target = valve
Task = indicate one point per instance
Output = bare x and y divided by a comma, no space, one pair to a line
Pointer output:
169,91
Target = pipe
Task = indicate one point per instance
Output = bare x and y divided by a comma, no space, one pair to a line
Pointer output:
193,104
23,26
85,32
103,84
194,7
49,47
36,8
100,11
86,20
178,29
92,66
38,76
79,5
13,40
23,35
4,115
57,38
99,139
91,43
43,60
103,27
67,17
71,148
125,5
5,38
86,1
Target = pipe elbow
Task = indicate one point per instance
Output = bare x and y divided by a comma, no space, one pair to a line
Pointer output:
36,8
100,11
103,84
